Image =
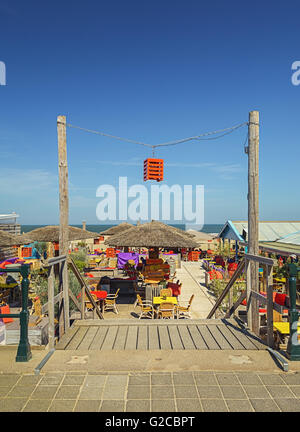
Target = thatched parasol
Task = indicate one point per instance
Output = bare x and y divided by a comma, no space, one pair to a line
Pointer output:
152,234
118,229
50,233
8,239
178,230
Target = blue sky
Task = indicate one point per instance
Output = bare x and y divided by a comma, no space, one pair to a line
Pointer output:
153,72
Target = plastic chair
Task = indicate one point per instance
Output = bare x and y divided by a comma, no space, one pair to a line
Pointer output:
110,302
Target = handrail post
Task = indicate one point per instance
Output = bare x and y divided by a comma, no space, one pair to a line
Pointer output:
24,352
268,277
248,289
51,330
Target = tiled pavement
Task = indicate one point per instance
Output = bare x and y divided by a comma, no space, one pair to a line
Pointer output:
155,392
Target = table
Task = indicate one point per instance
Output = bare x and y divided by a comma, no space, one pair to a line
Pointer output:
160,300
101,296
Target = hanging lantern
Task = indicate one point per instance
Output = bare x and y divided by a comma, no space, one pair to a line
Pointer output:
153,169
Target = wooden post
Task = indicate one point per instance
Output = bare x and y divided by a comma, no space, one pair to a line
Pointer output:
253,214
63,213
269,281
51,332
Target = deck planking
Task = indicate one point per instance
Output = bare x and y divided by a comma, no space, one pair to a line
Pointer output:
158,335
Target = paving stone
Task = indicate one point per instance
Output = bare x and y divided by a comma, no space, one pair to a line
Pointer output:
162,392
239,405
138,392
35,405
205,379
214,405
9,379
29,380
21,391
183,378
188,405
256,392
280,392
12,404
163,405
143,379
51,379
288,405
271,379
62,406
117,380
95,380
73,380
291,379
189,392
209,392
113,392
87,406
44,392
296,390
91,393
161,379
233,392
264,405
67,392
138,406
227,379
4,390
248,378
112,406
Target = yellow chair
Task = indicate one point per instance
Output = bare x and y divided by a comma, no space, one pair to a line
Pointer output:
166,311
166,292
184,311
89,306
146,307
110,302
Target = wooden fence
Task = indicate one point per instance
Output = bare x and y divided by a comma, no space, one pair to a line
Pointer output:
49,307
254,298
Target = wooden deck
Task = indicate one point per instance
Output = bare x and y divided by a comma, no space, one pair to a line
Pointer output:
118,334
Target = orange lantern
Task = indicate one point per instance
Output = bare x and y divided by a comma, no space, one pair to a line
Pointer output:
154,169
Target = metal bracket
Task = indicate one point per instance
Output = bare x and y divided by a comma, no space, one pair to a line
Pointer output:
281,359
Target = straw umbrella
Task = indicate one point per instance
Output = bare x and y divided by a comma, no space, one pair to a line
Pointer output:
152,235
50,233
118,229
8,239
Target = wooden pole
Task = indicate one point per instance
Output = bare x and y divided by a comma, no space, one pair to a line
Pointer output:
253,213
269,282
51,324
63,213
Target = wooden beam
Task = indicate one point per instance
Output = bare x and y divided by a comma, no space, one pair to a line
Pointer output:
63,212
269,282
260,259
51,325
253,213
242,297
236,274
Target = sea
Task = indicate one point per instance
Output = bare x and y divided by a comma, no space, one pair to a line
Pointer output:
208,228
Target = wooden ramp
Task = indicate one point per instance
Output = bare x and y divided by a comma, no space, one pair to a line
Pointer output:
119,334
